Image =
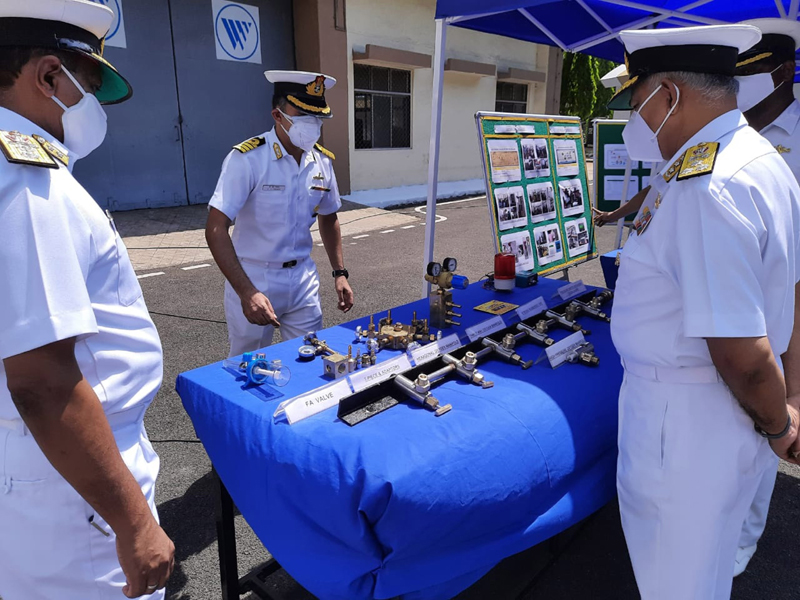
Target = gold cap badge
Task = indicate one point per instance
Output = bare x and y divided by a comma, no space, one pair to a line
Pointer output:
316,87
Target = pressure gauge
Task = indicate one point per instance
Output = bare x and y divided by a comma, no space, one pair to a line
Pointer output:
450,264
434,269
307,352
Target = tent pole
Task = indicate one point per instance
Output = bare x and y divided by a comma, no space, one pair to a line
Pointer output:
793,9
781,9
433,156
670,13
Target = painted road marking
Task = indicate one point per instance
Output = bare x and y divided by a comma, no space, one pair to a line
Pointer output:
146,275
358,237
203,266
388,231
409,227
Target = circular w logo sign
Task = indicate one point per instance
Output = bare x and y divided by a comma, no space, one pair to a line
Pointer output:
237,32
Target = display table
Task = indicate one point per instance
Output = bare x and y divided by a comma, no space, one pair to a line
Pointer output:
406,503
608,262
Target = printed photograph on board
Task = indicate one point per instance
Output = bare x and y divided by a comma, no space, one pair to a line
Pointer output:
542,201
548,244
571,197
566,157
510,207
535,158
519,244
504,161
577,236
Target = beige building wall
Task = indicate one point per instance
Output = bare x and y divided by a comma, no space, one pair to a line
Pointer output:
409,25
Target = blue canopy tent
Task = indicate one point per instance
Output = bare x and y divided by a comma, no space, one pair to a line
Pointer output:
588,26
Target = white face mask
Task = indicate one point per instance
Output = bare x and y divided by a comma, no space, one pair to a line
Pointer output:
85,124
754,89
640,141
304,132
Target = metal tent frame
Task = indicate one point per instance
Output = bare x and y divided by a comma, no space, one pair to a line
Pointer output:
651,15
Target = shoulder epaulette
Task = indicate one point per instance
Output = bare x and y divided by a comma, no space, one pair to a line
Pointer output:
325,151
250,144
699,160
670,173
24,150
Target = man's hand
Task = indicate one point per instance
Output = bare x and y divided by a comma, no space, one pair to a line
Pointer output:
601,218
258,309
345,294
785,446
147,559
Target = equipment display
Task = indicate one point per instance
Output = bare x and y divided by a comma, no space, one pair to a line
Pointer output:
537,190
416,384
395,335
259,370
441,300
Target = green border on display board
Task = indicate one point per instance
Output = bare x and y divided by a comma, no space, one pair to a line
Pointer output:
543,129
609,131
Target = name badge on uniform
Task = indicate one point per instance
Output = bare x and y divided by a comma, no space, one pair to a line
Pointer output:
272,188
319,188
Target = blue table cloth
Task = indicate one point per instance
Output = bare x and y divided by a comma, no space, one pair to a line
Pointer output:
408,504
608,262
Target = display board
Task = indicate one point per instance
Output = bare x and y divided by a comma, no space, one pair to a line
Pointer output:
610,158
537,189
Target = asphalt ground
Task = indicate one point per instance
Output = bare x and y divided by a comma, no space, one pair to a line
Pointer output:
386,271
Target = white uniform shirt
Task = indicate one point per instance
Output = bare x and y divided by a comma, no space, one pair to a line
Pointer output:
718,259
64,272
784,135
274,201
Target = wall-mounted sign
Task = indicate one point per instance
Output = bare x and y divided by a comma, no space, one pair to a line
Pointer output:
236,32
116,35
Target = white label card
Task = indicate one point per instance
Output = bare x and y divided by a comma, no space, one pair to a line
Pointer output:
533,307
576,288
485,328
361,380
427,353
557,353
314,402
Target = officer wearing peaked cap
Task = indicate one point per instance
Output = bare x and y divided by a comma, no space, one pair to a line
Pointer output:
703,314
80,358
275,186
765,74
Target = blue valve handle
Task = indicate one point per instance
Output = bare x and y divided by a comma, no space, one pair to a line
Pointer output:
459,282
252,376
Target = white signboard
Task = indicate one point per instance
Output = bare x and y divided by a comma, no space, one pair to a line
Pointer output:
435,349
302,407
379,373
116,35
558,352
485,328
576,288
534,307
236,31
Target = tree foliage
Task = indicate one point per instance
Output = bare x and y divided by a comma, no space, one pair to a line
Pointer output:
582,94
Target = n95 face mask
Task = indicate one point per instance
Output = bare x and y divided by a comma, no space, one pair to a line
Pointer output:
641,141
754,89
304,132
85,124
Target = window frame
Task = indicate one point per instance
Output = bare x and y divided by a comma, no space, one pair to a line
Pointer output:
410,95
525,103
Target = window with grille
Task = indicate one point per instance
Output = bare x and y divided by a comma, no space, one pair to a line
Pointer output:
382,110
511,97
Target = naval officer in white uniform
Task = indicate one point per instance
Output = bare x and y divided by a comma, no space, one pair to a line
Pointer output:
765,74
704,313
81,359
276,186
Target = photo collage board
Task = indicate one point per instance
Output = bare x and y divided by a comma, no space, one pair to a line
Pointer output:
537,190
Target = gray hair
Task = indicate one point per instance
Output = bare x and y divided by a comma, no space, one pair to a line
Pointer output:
714,88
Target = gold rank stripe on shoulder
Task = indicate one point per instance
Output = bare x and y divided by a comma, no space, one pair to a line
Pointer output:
51,149
325,151
699,160
673,169
250,144
24,150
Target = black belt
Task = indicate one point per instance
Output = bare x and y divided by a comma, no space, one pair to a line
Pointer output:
290,264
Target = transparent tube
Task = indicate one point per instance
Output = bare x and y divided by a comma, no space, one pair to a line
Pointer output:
277,376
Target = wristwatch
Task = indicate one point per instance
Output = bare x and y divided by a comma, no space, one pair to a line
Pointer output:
341,273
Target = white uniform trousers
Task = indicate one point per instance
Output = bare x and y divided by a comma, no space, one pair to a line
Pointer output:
756,519
49,549
689,466
294,294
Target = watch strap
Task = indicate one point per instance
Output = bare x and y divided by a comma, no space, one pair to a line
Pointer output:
775,436
341,273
